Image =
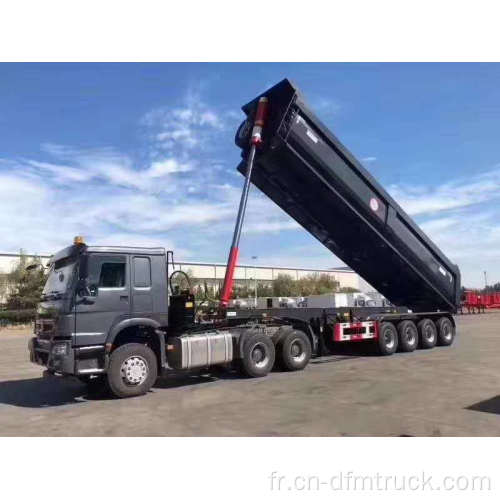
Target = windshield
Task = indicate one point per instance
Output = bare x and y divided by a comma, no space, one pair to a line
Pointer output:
60,278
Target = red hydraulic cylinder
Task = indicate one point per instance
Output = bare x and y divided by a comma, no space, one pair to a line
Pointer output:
256,139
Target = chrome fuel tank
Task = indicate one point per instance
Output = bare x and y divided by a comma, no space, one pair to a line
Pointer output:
200,350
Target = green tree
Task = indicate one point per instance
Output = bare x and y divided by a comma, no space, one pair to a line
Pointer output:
317,284
489,289
25,285
348,289
284,286
312,284
264,289
4,289
242,291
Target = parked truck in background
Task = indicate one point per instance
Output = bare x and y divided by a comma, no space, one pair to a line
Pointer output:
111,315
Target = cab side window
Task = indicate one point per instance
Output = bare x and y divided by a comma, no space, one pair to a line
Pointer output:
108,271
112,275
142,272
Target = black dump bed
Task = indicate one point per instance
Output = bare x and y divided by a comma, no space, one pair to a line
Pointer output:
306,170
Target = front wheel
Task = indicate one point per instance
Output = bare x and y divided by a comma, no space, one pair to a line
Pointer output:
132,370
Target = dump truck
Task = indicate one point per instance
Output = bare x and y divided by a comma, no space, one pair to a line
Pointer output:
112,317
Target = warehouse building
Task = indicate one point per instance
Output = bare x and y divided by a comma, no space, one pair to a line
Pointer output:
213,273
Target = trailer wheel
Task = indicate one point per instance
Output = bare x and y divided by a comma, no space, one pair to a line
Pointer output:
445,331
427,333
258,356
294,350
408,336
387,339
132,370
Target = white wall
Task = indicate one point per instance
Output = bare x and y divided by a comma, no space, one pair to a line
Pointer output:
9,261
215,272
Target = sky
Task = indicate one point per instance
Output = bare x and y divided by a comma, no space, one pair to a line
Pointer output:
144,154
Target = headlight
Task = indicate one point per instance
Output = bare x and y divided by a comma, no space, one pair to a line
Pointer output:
60,349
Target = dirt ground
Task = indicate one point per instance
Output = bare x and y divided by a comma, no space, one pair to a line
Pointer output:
446,391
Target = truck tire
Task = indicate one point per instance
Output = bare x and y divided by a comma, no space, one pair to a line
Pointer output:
294,350
408,336
445,331
387,339
427,333
132,370
258,356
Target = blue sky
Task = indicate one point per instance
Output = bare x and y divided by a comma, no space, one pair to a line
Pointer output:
144,154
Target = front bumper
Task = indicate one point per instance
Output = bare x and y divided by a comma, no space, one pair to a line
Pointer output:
55,355
59,356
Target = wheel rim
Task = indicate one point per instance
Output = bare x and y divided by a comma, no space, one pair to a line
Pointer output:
429,333
389,339
297,351
447,333
259,355
410,336
134,370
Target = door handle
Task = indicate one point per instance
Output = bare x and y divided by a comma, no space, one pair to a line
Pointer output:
124,297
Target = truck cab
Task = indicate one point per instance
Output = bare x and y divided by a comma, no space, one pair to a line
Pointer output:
95,297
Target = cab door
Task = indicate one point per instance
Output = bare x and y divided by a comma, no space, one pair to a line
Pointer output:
109,300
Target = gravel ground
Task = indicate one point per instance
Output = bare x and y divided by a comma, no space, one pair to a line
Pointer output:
452,391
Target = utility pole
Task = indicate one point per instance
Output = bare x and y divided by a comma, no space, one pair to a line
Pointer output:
485,280
254,258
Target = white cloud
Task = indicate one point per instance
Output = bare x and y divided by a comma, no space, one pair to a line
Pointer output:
326,107
62,173
369,159
472,241
170,166
448,196
105,195
106,165
139,240
461,217
169,200
275,226
181,129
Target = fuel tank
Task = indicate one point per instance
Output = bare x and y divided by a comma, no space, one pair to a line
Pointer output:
200,350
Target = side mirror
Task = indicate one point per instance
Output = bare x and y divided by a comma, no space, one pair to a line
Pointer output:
82,288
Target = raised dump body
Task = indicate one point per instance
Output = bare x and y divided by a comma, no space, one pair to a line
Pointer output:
312,176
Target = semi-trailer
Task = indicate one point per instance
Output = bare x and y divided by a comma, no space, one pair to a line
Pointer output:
111,316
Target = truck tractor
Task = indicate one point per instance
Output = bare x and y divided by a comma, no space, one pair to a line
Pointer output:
112,317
